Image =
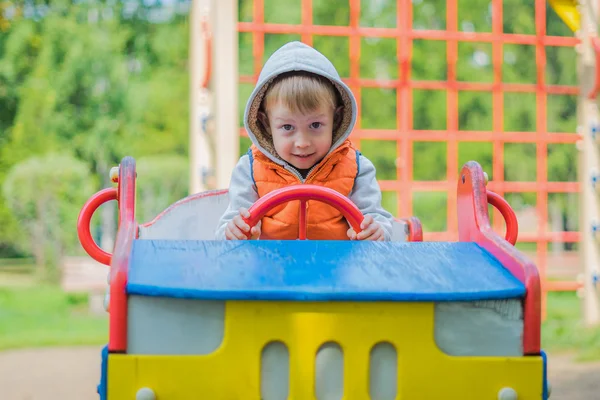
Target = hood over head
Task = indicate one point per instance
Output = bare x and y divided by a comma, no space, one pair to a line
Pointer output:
296,56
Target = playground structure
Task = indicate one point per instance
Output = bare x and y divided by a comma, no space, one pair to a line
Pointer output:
215,27
184,308
258,319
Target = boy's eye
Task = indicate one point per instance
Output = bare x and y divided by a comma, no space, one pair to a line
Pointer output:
316,125
287,127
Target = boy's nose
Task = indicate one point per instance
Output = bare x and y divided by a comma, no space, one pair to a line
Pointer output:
302,142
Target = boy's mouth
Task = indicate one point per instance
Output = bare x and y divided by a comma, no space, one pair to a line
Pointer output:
303,155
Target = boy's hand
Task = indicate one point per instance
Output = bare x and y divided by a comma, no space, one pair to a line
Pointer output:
237,228
371,230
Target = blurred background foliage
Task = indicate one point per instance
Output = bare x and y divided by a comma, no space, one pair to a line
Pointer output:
84,83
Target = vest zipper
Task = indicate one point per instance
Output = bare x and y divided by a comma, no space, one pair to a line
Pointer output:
297,174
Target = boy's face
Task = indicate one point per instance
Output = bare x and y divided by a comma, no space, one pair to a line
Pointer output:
300,139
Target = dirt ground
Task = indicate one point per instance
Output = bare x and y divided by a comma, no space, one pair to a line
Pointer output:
73,373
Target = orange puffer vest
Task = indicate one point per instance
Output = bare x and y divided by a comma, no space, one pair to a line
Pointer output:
324,222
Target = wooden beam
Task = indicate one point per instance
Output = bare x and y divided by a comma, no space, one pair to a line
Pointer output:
589,163
225,89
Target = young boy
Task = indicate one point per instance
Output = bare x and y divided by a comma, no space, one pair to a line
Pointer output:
299,118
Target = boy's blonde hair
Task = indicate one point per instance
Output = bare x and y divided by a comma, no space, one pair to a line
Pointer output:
301,92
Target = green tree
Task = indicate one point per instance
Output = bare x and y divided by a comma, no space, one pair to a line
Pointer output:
162,180
105,83
45,194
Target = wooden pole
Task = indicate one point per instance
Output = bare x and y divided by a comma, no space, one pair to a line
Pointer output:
201,150
589,162
225,89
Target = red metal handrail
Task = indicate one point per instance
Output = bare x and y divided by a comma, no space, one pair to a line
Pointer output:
415,228
512,225
84,222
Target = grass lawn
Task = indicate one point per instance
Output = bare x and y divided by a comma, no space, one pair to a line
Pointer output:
563,329
33,315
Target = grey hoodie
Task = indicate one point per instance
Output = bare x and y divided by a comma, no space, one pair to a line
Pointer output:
297,56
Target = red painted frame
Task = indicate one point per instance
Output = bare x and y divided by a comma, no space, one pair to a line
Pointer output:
126,234
474,226
127,231
405,135
593,94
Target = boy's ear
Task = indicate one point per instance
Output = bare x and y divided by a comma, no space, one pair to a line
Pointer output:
264,120
337,117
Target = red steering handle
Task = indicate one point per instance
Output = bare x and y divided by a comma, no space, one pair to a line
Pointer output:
512,225
83,225
305,192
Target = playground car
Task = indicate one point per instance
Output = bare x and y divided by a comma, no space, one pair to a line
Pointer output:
192,317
